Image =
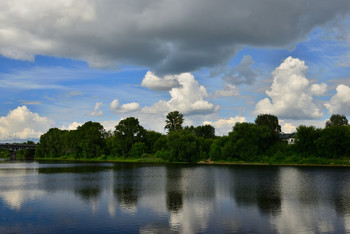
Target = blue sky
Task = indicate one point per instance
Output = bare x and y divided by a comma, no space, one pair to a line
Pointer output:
69,62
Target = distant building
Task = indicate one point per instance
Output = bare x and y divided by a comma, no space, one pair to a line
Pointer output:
288,137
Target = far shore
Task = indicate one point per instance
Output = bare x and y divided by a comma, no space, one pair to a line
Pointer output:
345,163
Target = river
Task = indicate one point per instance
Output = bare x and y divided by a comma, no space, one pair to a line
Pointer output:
155,198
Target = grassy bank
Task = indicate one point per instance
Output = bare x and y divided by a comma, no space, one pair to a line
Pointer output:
291,161
107,159
263,161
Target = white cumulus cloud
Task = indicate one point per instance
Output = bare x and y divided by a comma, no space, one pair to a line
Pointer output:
288,128
72,126
340,102
187,99
318,89
223,126
290,96
125,108
23,124
129,107
156,83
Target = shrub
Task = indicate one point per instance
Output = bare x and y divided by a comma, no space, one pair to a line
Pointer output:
137,150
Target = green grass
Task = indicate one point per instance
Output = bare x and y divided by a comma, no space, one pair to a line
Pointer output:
263,160
148,159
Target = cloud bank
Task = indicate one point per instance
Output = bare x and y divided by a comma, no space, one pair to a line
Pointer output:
340,102
156,83
223,126
291,94
167,36
188,98
21,123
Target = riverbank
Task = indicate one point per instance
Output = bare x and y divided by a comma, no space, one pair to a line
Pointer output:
310,162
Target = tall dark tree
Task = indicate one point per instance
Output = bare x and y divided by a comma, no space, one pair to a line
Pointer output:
128,132
337,120
151,139
184,146
270,121
89,140
51,143
206,131
334,142
307,136
248,141
174,121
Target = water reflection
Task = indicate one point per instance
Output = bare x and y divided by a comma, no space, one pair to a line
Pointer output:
174,193
258,187
131,198
126,186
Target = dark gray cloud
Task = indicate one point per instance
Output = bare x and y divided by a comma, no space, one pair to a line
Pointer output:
167,36
242,74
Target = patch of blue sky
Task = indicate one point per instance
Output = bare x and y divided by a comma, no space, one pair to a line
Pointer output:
8,65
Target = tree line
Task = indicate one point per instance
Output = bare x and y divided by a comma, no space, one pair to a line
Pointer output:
248,142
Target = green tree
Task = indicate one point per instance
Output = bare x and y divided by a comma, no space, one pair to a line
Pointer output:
337,120
249,140
89,140
306,137
128,132
270,121
174,121
150,139
137,150
216,147
334,142
206,131
51,144
160,144
183,146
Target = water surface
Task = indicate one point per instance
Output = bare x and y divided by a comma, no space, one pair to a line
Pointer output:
148,198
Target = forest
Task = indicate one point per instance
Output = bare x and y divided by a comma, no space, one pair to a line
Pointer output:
257,142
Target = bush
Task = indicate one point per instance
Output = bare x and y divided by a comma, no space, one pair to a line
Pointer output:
137,150
163,154
278,157
102,157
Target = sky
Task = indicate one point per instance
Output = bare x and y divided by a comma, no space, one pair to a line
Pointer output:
66,62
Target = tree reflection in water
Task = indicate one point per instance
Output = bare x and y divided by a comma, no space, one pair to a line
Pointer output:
127,182
259,188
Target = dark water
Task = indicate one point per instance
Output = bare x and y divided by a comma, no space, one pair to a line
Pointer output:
144,198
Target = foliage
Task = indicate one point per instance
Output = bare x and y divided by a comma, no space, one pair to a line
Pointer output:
137,150
205,131
160,143
334,142
89,141
270,121
174,121
337,120
307,137
249,140
128,132
183,146
215,152
150,139
52,144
